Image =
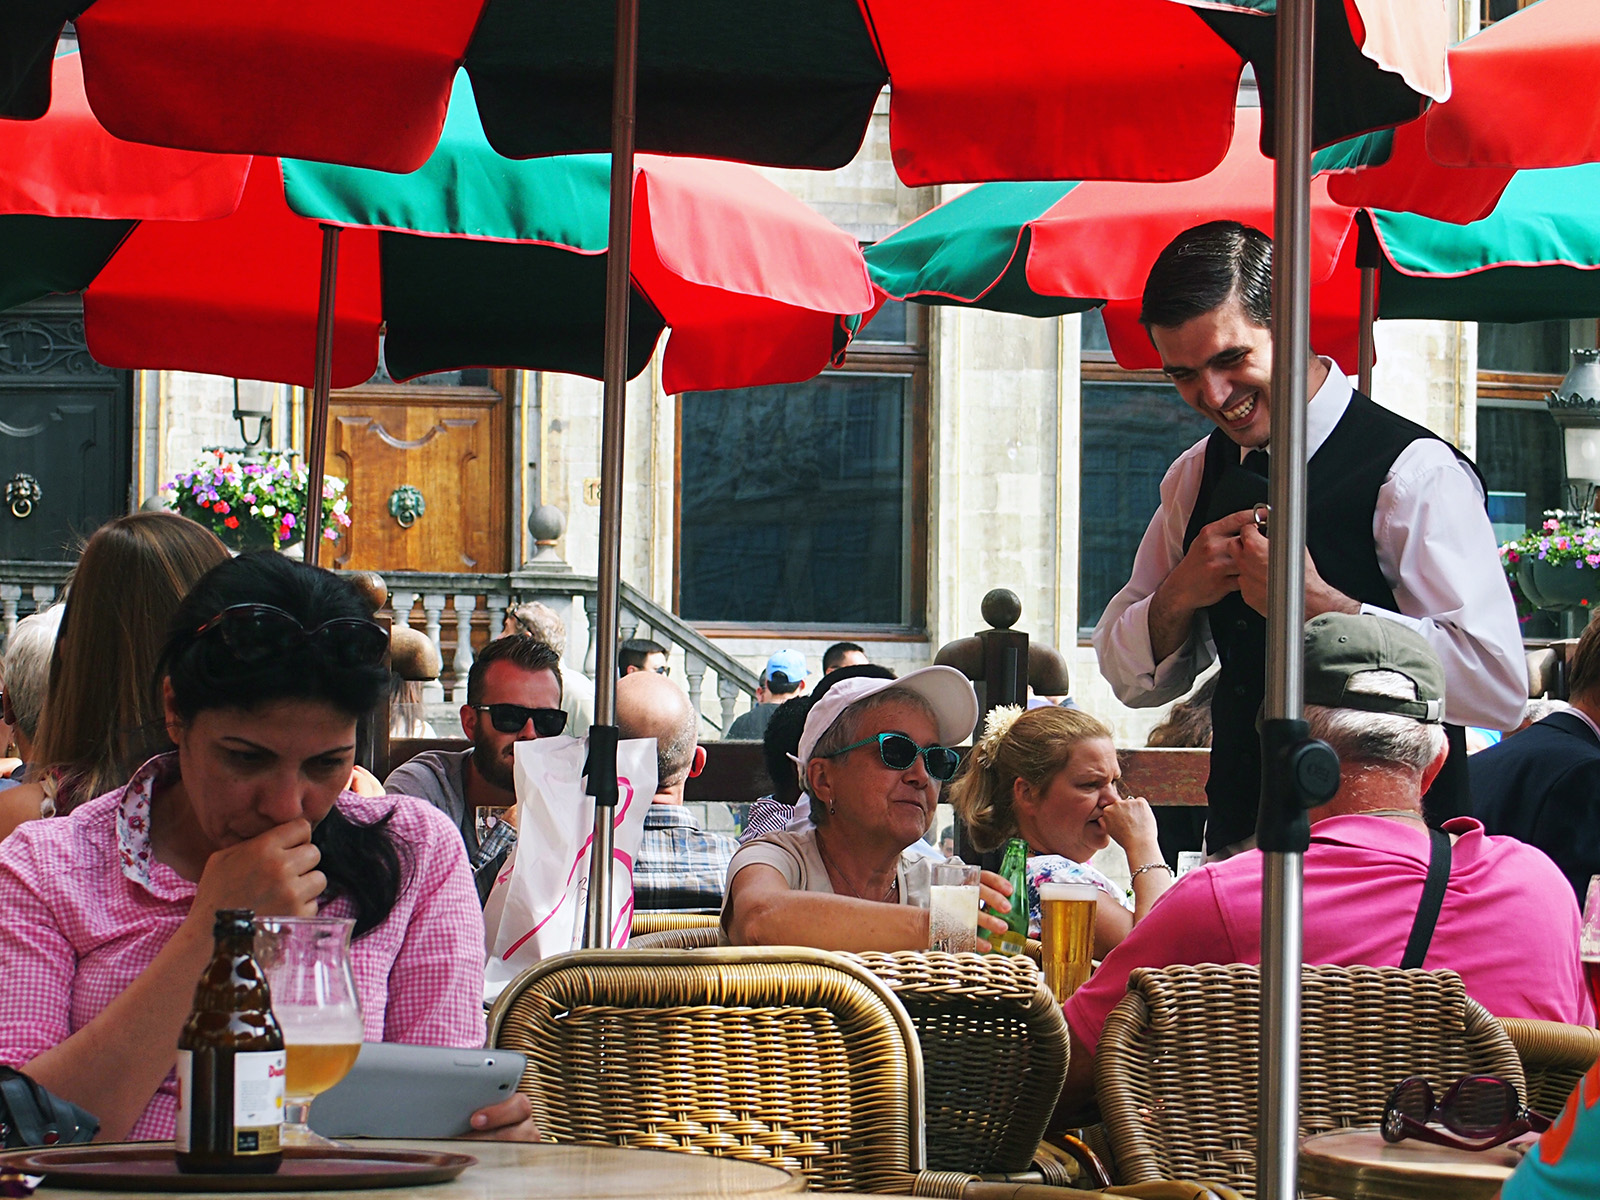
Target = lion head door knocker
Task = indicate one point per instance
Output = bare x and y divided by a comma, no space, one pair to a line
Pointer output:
406,505
22,493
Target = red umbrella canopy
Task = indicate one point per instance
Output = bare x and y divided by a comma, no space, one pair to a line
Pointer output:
1524,96
1054,248
1032,89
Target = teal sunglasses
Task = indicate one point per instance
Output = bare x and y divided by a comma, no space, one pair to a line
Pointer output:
898,752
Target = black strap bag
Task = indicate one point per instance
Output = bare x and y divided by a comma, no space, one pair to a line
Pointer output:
30,1115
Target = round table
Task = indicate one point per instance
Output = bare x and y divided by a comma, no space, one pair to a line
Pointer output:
543,1171
1357,1164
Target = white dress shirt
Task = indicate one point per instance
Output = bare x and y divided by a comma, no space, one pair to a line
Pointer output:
1437,552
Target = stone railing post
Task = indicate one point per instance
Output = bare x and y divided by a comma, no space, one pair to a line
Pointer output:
497,605
400,603
694,673
432,613
462,663
10,594
727,692
591,610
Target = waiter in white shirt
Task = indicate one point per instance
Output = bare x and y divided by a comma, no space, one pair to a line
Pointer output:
1396,526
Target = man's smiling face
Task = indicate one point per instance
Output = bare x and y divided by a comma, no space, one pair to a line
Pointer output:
1221,364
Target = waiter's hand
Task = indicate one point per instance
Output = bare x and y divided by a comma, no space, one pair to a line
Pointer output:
1321,596
1204,575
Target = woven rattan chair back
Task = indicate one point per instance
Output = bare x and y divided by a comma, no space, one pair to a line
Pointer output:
1175,1069
1554,1057
994,1054
694,937
793,1057
648,921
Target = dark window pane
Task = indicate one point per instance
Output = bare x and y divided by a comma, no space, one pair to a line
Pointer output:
1520,455
892,324
1532,347
795,502
1131,434
1093,339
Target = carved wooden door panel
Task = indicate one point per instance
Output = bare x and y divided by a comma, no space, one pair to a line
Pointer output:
450,445
64,434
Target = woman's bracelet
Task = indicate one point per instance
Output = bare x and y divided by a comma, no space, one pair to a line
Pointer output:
1155,866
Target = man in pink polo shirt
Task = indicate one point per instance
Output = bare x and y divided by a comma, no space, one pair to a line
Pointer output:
1507,923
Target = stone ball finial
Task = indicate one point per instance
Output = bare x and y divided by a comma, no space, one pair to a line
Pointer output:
1001,608
155,503
372,587
547,523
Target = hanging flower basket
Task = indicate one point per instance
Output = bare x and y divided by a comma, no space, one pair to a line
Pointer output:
254,504
1557,566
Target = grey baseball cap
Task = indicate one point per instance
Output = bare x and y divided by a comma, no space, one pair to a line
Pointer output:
1341,645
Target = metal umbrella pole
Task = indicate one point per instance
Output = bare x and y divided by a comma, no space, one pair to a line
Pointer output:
601,768
1368,351
317,402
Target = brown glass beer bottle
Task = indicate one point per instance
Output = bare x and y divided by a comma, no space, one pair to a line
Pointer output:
231,1062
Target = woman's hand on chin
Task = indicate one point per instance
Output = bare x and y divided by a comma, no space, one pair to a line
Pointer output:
274,873
1132,825
511,1120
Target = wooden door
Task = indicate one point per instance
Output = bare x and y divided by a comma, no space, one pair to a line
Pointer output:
65,425
451,444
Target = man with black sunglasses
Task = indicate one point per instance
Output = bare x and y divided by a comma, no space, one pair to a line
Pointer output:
513,695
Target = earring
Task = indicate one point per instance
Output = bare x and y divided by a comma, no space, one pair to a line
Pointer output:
831,810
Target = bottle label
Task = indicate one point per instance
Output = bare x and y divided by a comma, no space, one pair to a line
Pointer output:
258,1079
185,1073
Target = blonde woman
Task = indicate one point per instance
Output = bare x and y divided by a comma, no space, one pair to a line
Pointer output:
1050,776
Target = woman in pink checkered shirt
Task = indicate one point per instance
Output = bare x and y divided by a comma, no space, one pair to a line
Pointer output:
106,914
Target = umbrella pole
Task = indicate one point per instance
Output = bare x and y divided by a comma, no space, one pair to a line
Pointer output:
1368,350
1283,835
317,402
601,767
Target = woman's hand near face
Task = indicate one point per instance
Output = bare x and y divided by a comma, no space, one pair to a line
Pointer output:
1132,825
995,892
275,873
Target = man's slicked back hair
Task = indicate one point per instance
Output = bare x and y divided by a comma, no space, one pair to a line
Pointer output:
1203,268
524,650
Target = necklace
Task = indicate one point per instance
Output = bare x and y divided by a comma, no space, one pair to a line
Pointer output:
837,876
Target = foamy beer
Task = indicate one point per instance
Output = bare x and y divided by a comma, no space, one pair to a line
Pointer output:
1066,915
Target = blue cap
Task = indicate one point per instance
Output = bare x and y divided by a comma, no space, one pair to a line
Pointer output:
791,664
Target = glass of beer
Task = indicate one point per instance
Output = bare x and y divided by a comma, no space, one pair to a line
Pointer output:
1589,940
953,908
1066,917
307,961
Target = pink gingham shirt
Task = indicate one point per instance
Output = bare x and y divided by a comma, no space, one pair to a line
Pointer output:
84,907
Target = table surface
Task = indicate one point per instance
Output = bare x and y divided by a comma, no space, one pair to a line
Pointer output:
1358,1164
542,1171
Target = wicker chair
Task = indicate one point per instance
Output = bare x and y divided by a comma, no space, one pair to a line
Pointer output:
1554,1057
994,1054
651,921
1175,1068
689,937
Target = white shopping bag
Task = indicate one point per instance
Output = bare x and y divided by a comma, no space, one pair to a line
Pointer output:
539,904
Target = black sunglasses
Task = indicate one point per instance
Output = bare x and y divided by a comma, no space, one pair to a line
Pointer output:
898,751
255,633
1478,1113
510,718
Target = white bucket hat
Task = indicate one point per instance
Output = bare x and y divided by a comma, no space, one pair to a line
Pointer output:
948,692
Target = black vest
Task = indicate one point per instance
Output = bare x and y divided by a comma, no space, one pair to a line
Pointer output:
1343,480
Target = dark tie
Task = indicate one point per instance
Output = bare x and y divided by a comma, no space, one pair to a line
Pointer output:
1256,463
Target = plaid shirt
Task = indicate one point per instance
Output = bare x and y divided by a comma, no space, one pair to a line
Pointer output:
680,865
87,907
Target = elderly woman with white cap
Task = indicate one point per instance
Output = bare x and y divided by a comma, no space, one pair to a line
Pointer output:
873,754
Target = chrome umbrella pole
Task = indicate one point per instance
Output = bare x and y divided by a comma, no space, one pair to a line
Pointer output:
601,768
1282,831
317,411
1368,351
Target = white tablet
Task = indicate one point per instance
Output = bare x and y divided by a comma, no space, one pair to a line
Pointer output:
397,1091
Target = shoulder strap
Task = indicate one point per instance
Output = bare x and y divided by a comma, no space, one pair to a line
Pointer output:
1433,889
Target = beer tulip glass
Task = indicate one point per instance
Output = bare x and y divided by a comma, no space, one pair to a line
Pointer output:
307,961
1066,919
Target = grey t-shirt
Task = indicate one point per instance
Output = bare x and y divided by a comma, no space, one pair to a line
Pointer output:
751,726
439,777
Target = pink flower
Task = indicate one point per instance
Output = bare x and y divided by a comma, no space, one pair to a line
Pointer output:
1552,525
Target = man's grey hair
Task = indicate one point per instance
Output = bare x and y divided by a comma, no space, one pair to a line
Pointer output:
1377,739
540,622
847,725
675,754
27,665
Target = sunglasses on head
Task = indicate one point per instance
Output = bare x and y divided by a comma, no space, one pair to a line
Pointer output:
1478,1112
255,633
510,718
899,751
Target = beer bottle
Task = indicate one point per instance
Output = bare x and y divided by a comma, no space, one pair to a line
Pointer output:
231,1062
1015,869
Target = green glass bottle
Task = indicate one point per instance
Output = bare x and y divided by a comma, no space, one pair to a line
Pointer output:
1015,869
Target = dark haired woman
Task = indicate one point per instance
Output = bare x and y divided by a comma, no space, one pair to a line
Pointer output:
108,911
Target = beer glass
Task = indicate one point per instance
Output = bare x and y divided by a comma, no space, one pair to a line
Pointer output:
953,908
1589,940
1066,917
307,961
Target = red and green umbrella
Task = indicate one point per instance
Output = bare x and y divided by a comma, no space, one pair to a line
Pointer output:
1043,249
1524,96
1138,89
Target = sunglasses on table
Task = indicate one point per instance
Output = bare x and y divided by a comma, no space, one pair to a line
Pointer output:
256,633
510,718
898,751
1478,1112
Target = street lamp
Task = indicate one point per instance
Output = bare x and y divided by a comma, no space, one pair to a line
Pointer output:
258,409
1575,405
